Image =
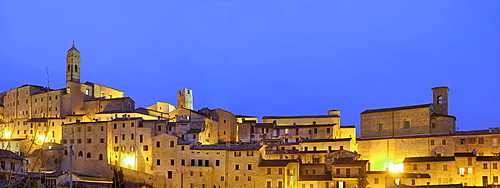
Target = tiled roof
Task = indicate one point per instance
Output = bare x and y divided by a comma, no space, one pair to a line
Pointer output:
121,111
456,133
396,108
194,131
244,116
303,116
302,126
377,172
348,126
269,163
415,175
326,140
237,147
440,115
464,154
270,140
427,159
488,158
264,125
184,143
12,139
323,177
75,115
105,99
9,154
295,151
348,160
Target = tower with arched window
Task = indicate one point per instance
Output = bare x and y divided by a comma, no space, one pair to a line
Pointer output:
73,64
440,100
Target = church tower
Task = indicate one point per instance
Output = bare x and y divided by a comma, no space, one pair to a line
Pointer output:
185,98
440,100
73,64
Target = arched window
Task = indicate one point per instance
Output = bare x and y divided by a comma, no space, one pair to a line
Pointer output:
428,166
65,152
89,155
80,154
101,157
440,99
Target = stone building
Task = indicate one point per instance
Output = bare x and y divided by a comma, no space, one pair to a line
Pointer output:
176,146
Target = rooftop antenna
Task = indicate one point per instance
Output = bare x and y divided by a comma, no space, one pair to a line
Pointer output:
48,78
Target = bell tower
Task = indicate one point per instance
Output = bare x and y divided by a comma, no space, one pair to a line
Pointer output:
440,100
73,64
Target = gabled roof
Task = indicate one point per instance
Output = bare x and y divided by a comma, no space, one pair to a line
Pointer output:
273,163
396,108
9,154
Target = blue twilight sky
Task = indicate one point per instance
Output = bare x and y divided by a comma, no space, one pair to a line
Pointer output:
266,57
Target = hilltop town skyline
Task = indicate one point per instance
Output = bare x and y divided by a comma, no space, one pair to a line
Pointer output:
274,59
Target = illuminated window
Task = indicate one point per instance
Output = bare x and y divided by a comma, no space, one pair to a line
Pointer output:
461,171
469,170
494,141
